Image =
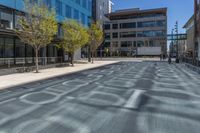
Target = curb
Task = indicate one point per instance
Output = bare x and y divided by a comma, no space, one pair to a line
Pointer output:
193,68
52,77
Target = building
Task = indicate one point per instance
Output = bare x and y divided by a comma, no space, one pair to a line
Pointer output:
13,51
135,32
189,26
196,55
100,8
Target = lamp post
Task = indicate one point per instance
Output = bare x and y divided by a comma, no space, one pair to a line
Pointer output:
172,44
177,52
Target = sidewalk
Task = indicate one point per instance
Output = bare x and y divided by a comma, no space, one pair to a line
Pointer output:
17,79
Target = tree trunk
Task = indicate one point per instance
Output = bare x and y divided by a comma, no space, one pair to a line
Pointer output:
92,57
89,53
36,61
72,59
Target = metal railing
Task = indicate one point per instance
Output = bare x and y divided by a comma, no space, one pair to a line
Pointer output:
14,62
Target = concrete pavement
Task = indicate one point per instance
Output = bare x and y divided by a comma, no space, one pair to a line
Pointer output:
127,97
16,79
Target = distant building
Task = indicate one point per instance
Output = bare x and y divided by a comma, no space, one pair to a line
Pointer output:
100,8
135,32
189,26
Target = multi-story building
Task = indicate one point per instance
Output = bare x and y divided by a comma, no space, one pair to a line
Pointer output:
196,55
12,50
189,26
100,8
135,32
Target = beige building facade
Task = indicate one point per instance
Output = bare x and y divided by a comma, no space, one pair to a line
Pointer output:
135,32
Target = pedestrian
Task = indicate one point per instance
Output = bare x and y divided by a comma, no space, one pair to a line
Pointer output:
169,60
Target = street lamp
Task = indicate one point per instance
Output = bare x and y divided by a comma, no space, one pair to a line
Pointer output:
176,31
172,44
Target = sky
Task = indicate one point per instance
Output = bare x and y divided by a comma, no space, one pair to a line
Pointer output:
178,10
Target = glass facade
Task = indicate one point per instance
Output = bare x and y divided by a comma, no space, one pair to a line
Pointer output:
12,47
128,25
127,34
160,23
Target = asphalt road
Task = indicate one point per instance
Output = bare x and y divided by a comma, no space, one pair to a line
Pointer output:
128,97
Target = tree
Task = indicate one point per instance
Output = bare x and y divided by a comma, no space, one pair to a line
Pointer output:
75,36
95,38
37,27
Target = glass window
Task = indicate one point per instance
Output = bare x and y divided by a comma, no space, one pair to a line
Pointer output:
127,25
83,18
6,20
115,35
134,44
59,7
115,44
115,26
107,44
1,47
84,3
9,48
107,35
126,44
89,5
78,1
151,24
140,43
106,26
127,34
68,11
76,14
29,51
19,48
48,3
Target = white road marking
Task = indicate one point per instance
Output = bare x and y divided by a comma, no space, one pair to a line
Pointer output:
134,100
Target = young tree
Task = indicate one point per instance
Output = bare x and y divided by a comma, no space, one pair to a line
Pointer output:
95,38
75,36
37,27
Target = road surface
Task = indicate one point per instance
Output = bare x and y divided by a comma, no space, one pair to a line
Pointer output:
127,97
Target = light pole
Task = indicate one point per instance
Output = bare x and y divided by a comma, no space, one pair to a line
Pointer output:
172,44
177,52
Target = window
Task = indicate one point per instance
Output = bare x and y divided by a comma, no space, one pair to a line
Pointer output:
135,44
89,5
6,19
126,44
83,18
76,14
33,1
107,44
140,43
48,3
68,11
115,44
1,47
107,26
19,48
29,51
84,3
9,48
115,26
127,34
78,1
59,7
115,35
107,35
151,34
127,25
151,24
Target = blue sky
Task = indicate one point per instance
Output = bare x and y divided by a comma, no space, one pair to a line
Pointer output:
178,10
